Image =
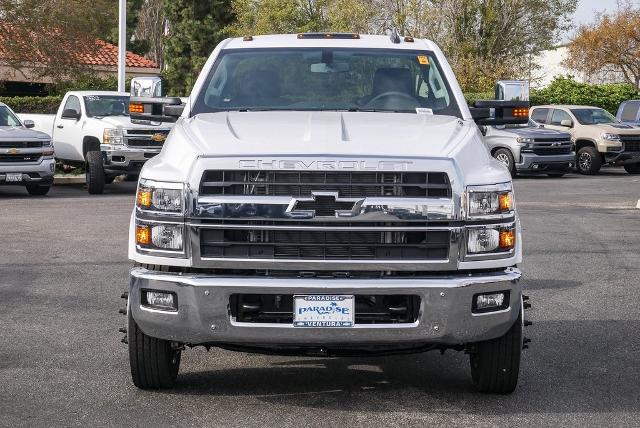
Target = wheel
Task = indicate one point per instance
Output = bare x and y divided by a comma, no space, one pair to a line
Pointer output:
95,173
556,174
588,161
495,363
38,189
632,168
154,364
131,177
505,157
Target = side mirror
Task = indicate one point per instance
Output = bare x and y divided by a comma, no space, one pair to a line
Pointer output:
496,112
512,90
147,87
70,114
151,109
566,122
29,123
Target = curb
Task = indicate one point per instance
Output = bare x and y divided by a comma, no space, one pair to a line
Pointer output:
68,179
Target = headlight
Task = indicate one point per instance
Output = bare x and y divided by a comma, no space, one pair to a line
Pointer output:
491,239
112,136
610,137
493,201
48,148
160,197
159,236
525,140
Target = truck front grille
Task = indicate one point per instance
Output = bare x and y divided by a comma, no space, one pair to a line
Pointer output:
631,143
369,309
146,138
325,244
29,157
547,148
20,144
347,184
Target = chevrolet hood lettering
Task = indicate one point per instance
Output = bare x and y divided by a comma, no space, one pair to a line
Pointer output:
350,165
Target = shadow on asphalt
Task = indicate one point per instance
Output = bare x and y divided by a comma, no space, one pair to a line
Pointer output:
593,362
69,191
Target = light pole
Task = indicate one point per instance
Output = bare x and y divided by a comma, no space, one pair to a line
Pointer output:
122,43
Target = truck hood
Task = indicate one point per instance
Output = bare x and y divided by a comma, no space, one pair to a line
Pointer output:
324,133
616,128
125,122
539,133
18,132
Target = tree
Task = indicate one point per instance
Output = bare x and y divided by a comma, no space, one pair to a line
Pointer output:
483,39
150,28
52,36
195,28
612,43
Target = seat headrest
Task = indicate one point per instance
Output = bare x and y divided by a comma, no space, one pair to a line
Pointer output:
392,80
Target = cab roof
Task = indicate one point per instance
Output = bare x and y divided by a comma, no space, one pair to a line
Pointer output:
365,41
568,106
84,93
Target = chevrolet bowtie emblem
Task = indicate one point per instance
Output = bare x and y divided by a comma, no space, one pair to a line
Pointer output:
158,138
13,151
324,204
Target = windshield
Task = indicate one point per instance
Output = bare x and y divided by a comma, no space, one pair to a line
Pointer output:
106,105
7,118
326,79
593,116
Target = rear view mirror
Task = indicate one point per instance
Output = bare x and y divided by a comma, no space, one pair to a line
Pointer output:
495,112
566,122
29,123
151,109
70,114
332,67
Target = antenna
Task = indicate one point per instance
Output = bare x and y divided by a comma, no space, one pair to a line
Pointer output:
393,35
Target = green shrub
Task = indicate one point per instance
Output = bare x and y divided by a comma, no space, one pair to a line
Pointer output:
43,105
565,90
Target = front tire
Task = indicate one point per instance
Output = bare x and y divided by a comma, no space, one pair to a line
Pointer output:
633,168
38,189
95,173
588,161
154,363
495,363
505,157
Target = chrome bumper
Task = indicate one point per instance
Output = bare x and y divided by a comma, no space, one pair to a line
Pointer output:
537,163
44,171
203,314
124,158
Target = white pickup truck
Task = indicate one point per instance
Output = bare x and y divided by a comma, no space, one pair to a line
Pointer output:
93,129
326,194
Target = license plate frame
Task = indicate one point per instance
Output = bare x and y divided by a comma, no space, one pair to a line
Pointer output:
13,177
323,310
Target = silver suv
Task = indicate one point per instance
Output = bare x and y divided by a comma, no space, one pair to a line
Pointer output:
530,148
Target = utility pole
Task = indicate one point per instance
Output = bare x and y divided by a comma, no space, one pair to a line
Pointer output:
122,43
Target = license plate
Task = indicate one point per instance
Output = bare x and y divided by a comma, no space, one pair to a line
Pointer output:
14,177
323,310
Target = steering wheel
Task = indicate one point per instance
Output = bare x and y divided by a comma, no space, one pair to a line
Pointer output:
391,94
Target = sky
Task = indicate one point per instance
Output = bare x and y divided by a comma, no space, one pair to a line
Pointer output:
587,9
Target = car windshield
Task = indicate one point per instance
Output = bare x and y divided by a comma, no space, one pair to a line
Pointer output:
326,79
106,105
7,118
530,124
593,116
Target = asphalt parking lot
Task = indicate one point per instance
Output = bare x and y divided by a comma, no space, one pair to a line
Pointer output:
64,265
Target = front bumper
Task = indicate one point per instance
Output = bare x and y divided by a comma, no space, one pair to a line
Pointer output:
41,172
622,158
536,163
204,317
122,158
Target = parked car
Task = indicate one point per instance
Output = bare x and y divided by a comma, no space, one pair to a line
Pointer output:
93,129
26,155
629,113
598,136
530,148
326,194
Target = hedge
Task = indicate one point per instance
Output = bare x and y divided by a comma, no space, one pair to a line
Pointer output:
44,105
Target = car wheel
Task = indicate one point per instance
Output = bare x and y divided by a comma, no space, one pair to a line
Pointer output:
38,189
154,363
505,157
588,161
95,173
633,168
495,363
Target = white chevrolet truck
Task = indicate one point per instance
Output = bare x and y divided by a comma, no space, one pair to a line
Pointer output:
93,129
326,194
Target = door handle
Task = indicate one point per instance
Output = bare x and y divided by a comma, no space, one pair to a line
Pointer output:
60,126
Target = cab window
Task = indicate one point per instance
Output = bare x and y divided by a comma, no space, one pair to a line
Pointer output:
73,103
540,115
558,116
